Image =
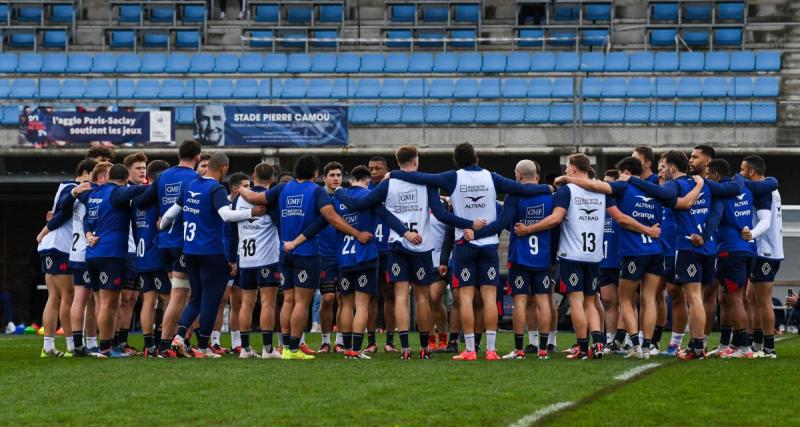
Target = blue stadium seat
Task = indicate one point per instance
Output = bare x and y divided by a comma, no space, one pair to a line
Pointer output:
372,63
470,62
593,61
298,15
396,63
195,88
147,89
10,115
642,61
263,38
663,112
733,11
299,63
743,61
368,88
153,63
269,88
294,89
494,62
614,87
768,61
690,87
29,63
162,14
435,13
544,62
445,62
49,88
171,89
563,37
738,112
155,39
430,38
202,63
489,88
766,87
727,36
363,114
54,63
55,39
292,37
742,87
23,89
467,13
488,113
403,13
540,87
343,88
8,62
531,33
97,89
520,62
220,89
562,87
4,13
692,61
416,88
462,113
193,14
663,36
594,37
538,113
440,88
597,12
330,13
269,13
130,14
348,63
467,38
612,112
322,63
123,39
567,61
697,12
178,63
592,87
437,114
30,14
273,63
465,89
398,38
590,112
640,87
23,40
392,89
763,112
712,112
715,87
184,115
565,12
246,89
666,87
513,112
389,114
664,11
637,112
666,61
696,37
187,39
617,62
253,62
105,63
78,63
518,88
687,112
420,63
718,61
413,114
561,113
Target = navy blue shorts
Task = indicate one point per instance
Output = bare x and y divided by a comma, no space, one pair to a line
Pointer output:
328,274
384,285
764,270
362,280
107,273
669,268
250,279
691,267
299,271
155,281
56,264
406,266
578,277
173,257
476,265
81,277
608,277
635,267
130,283
733,271
529,282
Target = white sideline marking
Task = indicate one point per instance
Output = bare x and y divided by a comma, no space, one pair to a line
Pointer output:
781,338
630,373
530,419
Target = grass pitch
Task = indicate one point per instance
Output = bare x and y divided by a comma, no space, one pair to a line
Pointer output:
385,391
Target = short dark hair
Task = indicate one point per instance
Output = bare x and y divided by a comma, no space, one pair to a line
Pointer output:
677,159
756,163
264,171
101,151
332,166
630,164
118,172
154,168
235,179
581,161
646,152
406,154
379,159
464,155
217,161
189,149
84,166
285,174
205,157
130,159
306,166
360,173
720,166
707,150
613,173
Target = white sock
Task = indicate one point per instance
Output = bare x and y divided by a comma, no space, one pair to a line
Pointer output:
303,338
551,338
628,340
326,338
70,345
470,341
236,339
641,336
215,336
533,337
91,342
491,336
339,339
49,343
609,338
676,339
705,341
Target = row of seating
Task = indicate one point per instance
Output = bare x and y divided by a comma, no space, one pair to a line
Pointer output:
490,88
149,37
349,62
562,37
327,13
37,14
696,37
436,13
697,11
139,13
568,12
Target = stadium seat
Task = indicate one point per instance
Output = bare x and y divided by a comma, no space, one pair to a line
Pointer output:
642,61
147,89
593,61
343,88
519,62
663,37
49,88
294,89
193,14
330,13
614,87
122,89
440,88
123,39
105,63
171,89
763,112
195,88
690,87
494,62
666,61
768,61
697,12
489,88
612,112
54,63
223,63
596,38
23,40
184,115
561,113
298,63
298,15
592,87
79,63
565,61
413,114
462,113
363,114
666,87
663,112
253,62
323,63
130,14
23,89
348,63
263,38
155,39
392,89
187,39
10,115
4,13
245,89
437,114
372,63
430,38
435,13
30,14
544,62
162,14
153,63
738,112
220,89
512,112
272,63
617,62
712,112
562,87
742,87
715,87
269,13
565,12
466,38
403,13
529,33
727,36
488,113
664,11
465,89
640,87
563,38
766,87
445,62
8,62
178,63
733,11
389,114
540,87
319,89
717,61
97,89
368,88
518,88
396,63
597,12
637,112
695,37
269,88
55,39
590,112
398,38
692,62
202,63
467,13
471,62
421,63
687,112
29,63
743,61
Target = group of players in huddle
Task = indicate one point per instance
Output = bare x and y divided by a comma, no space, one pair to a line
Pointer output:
612,246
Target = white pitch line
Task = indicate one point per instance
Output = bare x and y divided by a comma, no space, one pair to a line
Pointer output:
781,338
630,373
530,419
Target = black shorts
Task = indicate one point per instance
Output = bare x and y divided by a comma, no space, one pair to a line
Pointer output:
56,264
407,266
635,267
529,282
82,278
608,276
669,268
250,279
733,271
130,283
475,265
155,281
173,257
108,273
578,277
361,280
299,271
764,270
692,267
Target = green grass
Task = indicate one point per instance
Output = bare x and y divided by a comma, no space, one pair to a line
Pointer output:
385,391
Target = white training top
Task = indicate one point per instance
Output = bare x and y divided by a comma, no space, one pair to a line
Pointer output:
59,239
259,244
475,198
770,244
583,226
77,251
438,229
409,203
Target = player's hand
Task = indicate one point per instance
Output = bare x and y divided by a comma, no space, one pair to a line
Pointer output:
413,237
478,224
698,179
469,235
385,177
561,180
623,177
654,231
234,268
81,188
91,239
697,240
258,211
747,235
364,237
442,270
289,246
791,301
520,229
40,236
49,216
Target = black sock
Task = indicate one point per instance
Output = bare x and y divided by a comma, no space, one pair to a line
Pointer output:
77,338
123,337
163,344
403,339
105,345
769,343
245,339
583,343
597,337
149,341
478,339
453,337
635,339
740,338
347,338
202,341
619,338
285,341
424,339
182,331
518,341
758,336
657,332
646,345
266,340
294,343
696,344
115,340
390,338
371,338
358,339
725,334
542,341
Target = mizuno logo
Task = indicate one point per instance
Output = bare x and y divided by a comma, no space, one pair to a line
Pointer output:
475,199
645,199
589,211
193,194
741,196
